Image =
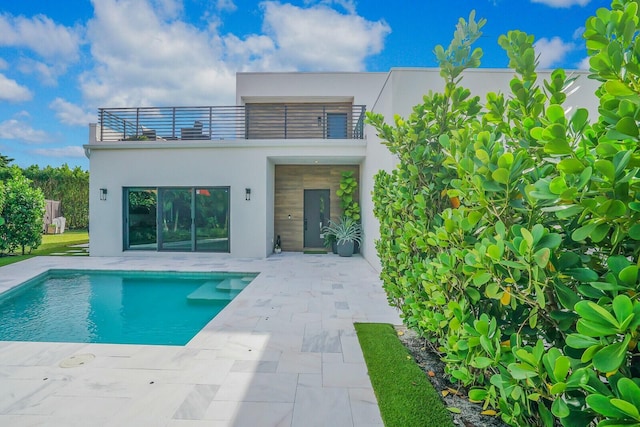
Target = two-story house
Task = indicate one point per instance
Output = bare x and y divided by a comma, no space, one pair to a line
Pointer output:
230,179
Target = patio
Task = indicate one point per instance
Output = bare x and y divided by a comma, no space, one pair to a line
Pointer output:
283,353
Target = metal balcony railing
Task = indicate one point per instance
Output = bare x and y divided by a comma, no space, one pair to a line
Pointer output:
252,121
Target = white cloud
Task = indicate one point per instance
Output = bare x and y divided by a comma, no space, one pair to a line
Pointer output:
562,3
226,6
10,90
584,64
158,63
320,38
74,151
168,9
347,5
15,129
578,32
41,35
71,114
155,61
47,74
552,51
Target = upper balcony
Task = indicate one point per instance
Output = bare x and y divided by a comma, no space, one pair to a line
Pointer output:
251,121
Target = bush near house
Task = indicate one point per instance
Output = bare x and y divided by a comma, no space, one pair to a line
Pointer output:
22,214
509,230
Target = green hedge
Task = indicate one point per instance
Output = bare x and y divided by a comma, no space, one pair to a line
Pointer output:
509,231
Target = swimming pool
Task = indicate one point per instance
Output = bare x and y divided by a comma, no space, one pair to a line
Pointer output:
117,307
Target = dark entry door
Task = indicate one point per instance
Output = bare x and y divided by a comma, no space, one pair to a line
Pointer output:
316,216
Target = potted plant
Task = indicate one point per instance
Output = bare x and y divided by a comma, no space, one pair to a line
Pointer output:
347,192
347,232
330,240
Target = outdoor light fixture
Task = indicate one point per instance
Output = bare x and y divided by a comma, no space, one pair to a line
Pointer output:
247,194
103,194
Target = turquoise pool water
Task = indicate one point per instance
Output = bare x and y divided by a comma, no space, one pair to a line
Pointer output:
117,307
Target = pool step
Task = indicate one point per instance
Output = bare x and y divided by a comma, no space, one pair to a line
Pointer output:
208,292
232,284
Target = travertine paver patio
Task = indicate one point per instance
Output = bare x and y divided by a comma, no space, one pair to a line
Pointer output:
283,353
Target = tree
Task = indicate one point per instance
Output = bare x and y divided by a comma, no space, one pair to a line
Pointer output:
69,186
4,161
23,213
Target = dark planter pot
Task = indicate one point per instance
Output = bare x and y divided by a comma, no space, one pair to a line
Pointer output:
334,247
345,248
356,248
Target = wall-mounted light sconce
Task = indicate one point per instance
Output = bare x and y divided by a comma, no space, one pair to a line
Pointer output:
247,194
103,194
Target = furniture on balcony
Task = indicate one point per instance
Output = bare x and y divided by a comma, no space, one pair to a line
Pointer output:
194,132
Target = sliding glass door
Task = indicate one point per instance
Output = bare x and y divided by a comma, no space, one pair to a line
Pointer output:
177,219
211,220
141,218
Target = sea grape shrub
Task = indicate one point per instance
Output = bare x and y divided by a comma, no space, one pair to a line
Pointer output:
509,230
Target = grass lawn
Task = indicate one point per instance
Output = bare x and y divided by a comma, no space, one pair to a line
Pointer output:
405,395
52,244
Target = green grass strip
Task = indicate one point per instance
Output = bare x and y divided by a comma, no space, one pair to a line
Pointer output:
51,243
405,395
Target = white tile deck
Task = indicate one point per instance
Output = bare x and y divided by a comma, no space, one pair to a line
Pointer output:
283,353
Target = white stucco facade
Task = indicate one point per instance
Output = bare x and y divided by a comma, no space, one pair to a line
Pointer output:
250,163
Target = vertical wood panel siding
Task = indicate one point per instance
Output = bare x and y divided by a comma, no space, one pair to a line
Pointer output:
290,183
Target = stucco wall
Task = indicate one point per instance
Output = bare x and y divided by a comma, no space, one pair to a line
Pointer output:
238,165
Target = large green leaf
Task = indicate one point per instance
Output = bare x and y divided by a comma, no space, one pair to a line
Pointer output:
521,371
595,330
627,126
593,312
570,165
559,408
612,356
567,297
580,341
555,113
501,175
602,405
634,232
559,146
541,257
626,407
618,88
629,275
622,307
583,232
606,168
582,274
629,390
617,263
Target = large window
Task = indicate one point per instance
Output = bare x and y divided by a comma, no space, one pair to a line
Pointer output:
183,219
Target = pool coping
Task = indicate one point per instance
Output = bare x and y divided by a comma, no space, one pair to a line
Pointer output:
284,352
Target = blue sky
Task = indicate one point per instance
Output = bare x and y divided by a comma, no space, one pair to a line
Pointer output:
58,65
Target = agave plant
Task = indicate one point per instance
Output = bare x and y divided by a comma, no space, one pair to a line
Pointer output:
345,230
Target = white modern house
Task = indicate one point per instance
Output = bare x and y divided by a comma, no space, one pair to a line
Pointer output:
230,179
